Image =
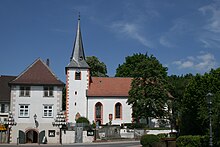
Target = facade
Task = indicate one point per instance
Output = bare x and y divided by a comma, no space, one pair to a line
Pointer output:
101,100
4,105
5,96
36,98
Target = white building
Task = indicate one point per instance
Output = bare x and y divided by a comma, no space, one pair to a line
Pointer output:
36,97
100,99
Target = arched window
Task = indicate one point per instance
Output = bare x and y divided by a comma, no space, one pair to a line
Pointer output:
118,110
98,112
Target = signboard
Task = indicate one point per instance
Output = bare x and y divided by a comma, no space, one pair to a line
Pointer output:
90,132
2,127
51,133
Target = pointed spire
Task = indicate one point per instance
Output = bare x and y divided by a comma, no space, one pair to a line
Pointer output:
77,58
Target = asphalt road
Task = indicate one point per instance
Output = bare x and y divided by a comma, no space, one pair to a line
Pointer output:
107,144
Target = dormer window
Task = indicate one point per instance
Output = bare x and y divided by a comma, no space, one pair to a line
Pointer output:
77,75
80,58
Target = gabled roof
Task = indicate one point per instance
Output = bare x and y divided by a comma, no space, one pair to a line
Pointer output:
109,87
37,73
77,59
5,88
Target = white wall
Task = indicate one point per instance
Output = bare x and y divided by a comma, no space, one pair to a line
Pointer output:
108,104
36,102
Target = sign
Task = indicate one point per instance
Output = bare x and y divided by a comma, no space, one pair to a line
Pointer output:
51,133
2,127
90,132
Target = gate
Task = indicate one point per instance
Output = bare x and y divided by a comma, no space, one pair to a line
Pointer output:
79,135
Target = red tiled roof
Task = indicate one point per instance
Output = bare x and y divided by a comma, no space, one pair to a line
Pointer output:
105,86
37,73
4,88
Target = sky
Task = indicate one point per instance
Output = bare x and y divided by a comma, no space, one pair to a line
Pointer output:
184,35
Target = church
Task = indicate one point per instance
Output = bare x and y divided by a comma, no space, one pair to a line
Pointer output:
100,99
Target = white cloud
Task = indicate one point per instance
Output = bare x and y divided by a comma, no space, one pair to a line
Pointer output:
130,30
165,42
214,21
201,63
211,29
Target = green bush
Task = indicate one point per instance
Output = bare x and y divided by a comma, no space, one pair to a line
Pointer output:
148,139
82,120
192,141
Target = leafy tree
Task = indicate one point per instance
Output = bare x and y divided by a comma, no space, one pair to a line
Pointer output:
97,68
194,108
148,88
131,67
177,86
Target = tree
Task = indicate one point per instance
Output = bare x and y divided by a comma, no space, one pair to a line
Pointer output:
97,68
148,88
194,108
131,67
177,88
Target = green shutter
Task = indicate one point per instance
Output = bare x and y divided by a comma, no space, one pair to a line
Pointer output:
41,136
21,137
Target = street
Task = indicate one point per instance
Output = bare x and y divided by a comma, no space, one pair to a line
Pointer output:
106,144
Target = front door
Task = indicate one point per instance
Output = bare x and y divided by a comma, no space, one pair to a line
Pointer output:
32,136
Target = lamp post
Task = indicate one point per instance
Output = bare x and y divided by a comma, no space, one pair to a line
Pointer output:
10,122
60,121
209,98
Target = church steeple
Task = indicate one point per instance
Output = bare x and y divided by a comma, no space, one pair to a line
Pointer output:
77,59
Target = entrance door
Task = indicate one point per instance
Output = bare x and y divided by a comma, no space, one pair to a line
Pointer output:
31,136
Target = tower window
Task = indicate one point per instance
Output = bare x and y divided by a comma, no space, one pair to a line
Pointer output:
78,75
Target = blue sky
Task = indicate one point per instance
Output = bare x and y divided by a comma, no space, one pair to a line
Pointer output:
183,35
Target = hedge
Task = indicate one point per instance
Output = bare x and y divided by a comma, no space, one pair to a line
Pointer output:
192,141
148,139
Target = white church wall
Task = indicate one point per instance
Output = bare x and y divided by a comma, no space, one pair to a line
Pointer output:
108,104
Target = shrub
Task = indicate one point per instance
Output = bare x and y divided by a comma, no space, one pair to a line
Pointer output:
82,120
148,139
192,141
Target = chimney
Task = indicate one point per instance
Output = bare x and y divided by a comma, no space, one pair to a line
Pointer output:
48,62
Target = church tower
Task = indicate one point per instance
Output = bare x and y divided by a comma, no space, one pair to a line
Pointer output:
77,80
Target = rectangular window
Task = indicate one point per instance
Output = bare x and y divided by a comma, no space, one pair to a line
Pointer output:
25,91
78,75
48,91
24,110
48,111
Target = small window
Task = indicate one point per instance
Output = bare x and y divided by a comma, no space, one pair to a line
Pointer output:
78,75
25,91
48,91
48,111
24,110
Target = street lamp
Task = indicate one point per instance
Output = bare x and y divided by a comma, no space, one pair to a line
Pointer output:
209,98
10,122
60,121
